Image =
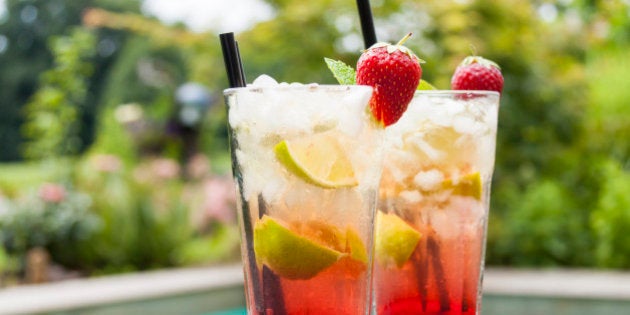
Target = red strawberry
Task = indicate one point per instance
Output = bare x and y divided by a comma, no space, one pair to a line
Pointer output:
394,72
477,73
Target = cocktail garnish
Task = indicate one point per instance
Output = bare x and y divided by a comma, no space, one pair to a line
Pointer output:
477,73
468,185
394,72
345,74
318,159
355,246
289,254
395,239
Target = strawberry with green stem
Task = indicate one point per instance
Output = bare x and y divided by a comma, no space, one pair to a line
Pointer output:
394,72
477,73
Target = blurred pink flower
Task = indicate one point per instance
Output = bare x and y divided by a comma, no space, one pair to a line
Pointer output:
52,193
198,166
106,163
165,168
220,201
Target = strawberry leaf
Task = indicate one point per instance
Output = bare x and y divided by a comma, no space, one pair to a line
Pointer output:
344,74
424,85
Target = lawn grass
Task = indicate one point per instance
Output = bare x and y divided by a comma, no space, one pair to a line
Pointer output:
24,175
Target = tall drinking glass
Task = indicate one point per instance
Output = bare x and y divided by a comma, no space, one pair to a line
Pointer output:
433,204
307,162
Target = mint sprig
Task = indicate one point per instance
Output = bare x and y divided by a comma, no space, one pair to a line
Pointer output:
345,74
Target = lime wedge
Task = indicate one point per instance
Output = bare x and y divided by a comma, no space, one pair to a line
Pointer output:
467,185
395,239
424,85
318,159
355,246
289,254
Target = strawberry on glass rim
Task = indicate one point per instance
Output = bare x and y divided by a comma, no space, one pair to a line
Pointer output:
477,73
394,73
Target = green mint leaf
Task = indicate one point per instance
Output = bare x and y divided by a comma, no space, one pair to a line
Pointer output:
342,72
424,85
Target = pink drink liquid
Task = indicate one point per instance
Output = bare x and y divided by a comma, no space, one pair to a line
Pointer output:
441,277
436,177
337,290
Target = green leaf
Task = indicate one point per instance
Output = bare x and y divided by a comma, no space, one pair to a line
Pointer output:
344,73
424,85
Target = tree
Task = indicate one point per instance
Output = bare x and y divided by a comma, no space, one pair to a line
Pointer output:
27,28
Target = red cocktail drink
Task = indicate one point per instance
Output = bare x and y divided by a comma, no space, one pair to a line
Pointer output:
433,205
307,161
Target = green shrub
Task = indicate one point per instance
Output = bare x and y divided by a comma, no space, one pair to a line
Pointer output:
543,227
55,217
610,220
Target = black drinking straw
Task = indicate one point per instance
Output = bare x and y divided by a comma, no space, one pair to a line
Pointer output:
367,23
270,297
233,67
232,60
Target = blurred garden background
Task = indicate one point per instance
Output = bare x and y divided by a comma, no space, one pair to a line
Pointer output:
113,151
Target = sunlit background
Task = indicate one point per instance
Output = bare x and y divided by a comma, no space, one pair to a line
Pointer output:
113,149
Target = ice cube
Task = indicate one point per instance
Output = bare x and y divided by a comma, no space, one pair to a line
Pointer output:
398,163
445,223
426,148
273,186
355,106
411,196
264,80
465,124
429,180
468,210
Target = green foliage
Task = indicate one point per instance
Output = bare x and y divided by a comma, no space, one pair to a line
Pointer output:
53,217
146,218
610,219
3,260
544,227
113,138
606,127
218,247
142,223
302,33
28,54
142,73
52,114
214,140
19,177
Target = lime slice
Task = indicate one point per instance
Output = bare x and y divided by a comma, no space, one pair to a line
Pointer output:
468,185
424,85
355,246
395,239
318,159
289,254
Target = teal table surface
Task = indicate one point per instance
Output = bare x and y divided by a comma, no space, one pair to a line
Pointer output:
240,311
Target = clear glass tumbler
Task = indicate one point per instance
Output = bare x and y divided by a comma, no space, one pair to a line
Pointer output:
307,163
433,204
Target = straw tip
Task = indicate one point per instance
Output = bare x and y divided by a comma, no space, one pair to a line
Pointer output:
226,35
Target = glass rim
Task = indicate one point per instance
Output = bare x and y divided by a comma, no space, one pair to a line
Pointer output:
289,87
347,87
457,92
